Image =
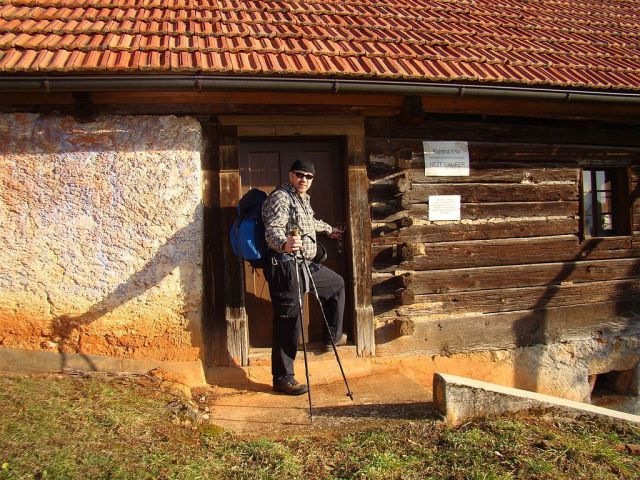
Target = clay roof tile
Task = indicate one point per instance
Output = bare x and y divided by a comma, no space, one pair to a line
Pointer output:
9,59
591,44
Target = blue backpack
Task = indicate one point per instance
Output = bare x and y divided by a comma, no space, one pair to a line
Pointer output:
247,232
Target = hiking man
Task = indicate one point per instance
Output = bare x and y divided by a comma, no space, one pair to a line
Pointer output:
285,212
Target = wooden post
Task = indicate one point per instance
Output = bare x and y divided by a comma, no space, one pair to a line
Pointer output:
360,239
215,336
230,276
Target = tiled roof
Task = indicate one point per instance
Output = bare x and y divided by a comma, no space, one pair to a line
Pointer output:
592,44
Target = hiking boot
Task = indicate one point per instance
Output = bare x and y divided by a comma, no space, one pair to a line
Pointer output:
343,341
291,387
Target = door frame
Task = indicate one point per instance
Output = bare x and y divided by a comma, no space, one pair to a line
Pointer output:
233,323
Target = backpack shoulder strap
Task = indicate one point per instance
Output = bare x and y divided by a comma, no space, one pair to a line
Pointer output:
289,194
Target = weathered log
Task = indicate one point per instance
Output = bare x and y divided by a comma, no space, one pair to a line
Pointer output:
388,284
403,183
507,330
392,211
443,281
501,173
529,298
452,232
382,192
473,211
439,128
405,327
231,276
518,154
480,253
474,193
384,303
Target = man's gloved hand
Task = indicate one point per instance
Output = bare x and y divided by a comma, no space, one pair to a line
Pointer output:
336,233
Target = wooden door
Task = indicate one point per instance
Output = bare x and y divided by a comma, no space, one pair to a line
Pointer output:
265,165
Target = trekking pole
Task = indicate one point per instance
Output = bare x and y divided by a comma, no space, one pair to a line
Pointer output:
294,233
326,323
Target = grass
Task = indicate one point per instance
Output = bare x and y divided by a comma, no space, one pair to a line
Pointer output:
99,427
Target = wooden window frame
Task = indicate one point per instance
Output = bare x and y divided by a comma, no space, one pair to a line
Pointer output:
232,128
621,209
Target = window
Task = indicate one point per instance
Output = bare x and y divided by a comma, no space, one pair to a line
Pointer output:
605,202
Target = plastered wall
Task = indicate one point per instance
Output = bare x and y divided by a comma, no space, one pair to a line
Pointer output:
101,235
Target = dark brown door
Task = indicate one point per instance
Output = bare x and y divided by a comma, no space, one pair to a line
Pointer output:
265,165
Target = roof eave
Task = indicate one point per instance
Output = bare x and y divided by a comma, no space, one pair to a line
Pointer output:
199,82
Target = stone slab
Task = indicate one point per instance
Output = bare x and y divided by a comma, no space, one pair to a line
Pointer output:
190,373
460,399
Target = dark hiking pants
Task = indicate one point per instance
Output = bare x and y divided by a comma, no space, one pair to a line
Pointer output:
286,316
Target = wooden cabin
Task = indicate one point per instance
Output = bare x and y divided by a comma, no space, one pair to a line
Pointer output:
485,162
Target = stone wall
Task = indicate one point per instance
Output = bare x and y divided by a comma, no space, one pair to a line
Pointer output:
101,238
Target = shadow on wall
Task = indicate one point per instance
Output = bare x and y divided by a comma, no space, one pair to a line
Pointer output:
534,329
88,204
67,330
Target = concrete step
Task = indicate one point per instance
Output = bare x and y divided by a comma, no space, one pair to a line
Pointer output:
323,368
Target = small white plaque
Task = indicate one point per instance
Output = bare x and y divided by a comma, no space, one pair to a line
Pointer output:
446,159
444,207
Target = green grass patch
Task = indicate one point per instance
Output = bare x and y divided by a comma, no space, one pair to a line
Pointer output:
99,427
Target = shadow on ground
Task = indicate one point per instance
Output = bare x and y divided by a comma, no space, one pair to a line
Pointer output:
396,411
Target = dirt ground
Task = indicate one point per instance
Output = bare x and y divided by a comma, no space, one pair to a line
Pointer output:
379,397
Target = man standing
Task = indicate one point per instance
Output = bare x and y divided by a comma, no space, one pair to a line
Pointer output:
286,210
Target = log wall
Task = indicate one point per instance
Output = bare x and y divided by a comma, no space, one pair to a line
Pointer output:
516,269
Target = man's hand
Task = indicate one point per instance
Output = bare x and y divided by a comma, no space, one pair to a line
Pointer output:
336,233
293,244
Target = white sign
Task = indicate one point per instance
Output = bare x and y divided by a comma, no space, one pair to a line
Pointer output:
446,159
444,207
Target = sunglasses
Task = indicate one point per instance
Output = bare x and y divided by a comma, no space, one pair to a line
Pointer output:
308,176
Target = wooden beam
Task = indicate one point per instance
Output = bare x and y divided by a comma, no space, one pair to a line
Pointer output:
213,326
360,240
451,232
506,330
390,212
500,192
515,276
392,104
525,298
445,255
235,315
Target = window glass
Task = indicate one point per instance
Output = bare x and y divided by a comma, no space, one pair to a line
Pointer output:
604,203
588,202
603,180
